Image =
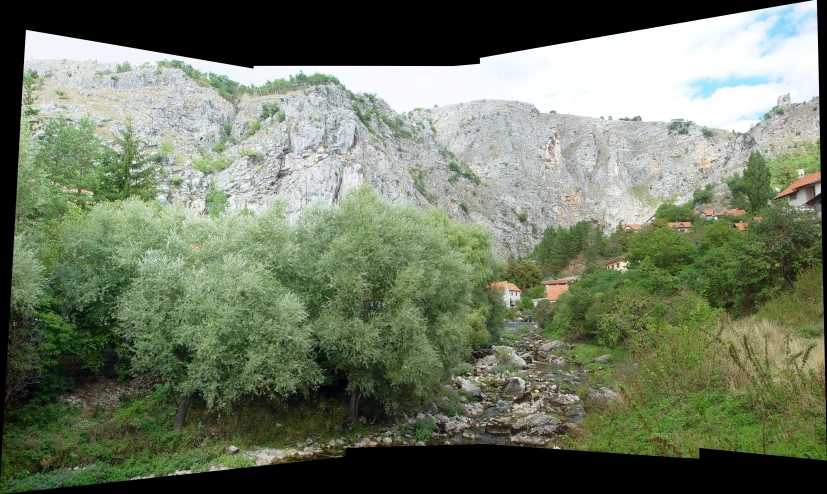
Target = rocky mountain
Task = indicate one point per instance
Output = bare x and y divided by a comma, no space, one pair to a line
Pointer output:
501,164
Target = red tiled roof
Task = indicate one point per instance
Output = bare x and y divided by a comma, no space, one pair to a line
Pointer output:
505,285
801,182
709,212
633,226
553,292
741,226
732,212
616,259
680,224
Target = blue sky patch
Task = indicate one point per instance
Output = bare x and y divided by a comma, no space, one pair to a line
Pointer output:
705,88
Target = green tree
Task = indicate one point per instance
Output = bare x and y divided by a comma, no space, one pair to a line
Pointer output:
757,180
666,248
523,273
786,176
221,331
69,155
672,213
391,294
126,172
25,345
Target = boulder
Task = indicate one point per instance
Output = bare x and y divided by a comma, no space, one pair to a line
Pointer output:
603,359
514,389
562,399
470,388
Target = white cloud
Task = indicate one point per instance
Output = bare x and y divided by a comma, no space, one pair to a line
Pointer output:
647,73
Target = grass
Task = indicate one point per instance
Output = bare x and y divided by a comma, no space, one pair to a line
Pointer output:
42,441
463,368
748,386
421,430
207,166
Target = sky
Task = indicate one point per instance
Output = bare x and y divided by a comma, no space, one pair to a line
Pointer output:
724,72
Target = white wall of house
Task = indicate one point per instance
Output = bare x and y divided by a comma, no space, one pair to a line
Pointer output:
802,195
618,266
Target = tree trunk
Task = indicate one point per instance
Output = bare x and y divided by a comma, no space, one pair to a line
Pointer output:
182,412
353,409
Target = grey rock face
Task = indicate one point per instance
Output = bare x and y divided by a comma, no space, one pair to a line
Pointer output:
520,171
514,389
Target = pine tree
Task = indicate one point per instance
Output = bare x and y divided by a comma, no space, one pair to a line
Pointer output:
757,179
128,173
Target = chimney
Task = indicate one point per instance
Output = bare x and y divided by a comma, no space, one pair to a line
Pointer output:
800,173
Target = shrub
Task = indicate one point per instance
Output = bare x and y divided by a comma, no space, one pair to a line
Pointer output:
176,180
464,207
463,369
707,133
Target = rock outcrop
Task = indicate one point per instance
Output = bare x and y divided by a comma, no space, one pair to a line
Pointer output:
501,164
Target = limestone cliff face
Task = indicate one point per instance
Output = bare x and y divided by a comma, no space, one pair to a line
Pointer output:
501,164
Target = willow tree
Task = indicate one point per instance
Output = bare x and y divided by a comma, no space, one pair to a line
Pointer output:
389,295
221,331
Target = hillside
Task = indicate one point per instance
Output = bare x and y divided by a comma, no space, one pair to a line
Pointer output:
501,164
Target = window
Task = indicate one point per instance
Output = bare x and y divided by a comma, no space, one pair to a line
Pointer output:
794,196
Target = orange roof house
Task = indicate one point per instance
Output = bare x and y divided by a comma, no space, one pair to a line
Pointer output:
510,292
681,226
631,227
553,292
733,212
802,182
740,225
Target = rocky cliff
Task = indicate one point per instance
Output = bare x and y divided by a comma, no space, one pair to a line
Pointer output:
501,164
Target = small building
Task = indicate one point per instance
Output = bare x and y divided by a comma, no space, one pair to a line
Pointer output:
740,226
618,264
511,293
804,192
681,226
631,227
733,212
553,292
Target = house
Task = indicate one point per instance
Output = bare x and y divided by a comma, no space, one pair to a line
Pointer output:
732,212
632,227
553,292
681,226
555,282
740,226
618,264
804,192
511,293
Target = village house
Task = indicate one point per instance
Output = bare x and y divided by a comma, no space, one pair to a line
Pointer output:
555,288
618,264
681,226
804,192
740,225
511,293
632,227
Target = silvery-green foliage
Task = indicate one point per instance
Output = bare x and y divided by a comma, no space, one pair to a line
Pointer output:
27,280
220,330
392,295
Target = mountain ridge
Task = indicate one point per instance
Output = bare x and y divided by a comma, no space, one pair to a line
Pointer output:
499,163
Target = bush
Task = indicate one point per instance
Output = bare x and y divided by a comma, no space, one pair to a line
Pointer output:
463,368
176,180
421,430
707,133
464,207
